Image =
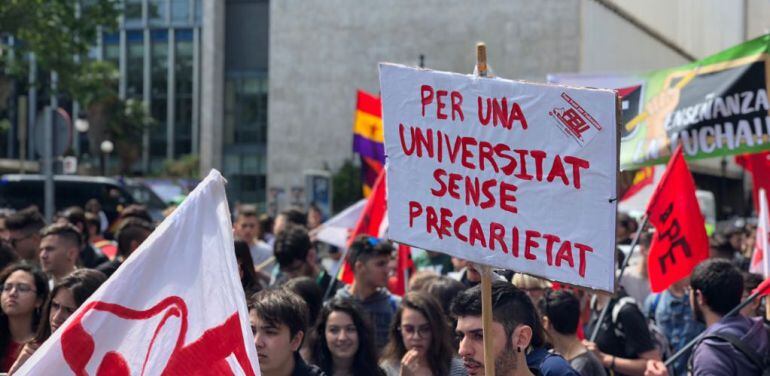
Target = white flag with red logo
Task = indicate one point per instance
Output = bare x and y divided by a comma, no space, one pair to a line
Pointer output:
760,260
175,307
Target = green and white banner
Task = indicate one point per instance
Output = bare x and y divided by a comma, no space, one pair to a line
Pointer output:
714,107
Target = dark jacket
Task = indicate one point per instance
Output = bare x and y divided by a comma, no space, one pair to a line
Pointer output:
91,257
303,369
549,364
716,357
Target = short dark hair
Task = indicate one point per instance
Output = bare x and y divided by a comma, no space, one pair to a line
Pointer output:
291,244
751,281
93,206
29,220
563,310
724,248
511,307
131,229
65,231
76,216
7,254
93,220
245,211
266,223
295,215
720,283
135,211
279,306
444,290
366,247
307,289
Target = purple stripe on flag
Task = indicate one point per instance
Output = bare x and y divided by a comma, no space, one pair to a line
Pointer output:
369,175
368,148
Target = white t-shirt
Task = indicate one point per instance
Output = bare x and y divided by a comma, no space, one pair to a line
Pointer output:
260,252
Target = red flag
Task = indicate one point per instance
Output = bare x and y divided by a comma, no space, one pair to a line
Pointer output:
760,259
404,268
758,165
763,288
373,222
680,240
370,221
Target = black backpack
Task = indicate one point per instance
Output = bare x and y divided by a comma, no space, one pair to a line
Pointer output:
760,361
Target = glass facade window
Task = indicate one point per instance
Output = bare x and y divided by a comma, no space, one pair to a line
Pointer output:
183,92
157,11
157,32
132,12
198,10
134,64
112,48
158,91
180,11
245,135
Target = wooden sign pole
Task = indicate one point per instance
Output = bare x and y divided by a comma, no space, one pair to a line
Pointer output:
485,270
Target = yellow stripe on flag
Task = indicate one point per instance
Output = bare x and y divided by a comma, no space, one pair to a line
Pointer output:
368,126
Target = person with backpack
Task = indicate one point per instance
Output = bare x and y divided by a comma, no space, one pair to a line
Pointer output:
624,343
734,345
671,313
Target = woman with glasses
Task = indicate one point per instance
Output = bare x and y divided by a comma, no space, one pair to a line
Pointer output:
342,341
66,297
420,343
24,289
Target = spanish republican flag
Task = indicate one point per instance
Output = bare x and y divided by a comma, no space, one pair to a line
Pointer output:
642,178
368,139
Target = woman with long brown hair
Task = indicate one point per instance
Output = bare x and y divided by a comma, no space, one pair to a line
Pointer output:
420,343
65,298
24,290
342,341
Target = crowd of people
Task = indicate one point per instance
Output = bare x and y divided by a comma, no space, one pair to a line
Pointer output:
307,322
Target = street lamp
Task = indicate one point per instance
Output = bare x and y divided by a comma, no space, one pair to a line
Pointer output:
106,148
81,125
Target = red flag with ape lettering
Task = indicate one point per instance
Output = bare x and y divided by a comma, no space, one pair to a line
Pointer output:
680,241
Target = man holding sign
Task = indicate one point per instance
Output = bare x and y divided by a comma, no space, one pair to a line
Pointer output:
516,329
503,173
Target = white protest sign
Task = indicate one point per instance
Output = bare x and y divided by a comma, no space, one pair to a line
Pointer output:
510,174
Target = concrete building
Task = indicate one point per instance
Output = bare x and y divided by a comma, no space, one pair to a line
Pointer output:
265,90
199,65
322,51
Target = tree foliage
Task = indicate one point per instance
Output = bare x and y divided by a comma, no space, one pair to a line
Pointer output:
51,30
347,186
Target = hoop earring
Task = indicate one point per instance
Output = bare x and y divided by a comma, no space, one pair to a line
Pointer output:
518,349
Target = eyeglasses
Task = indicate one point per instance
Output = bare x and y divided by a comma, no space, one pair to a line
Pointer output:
411,330
21,288
15,241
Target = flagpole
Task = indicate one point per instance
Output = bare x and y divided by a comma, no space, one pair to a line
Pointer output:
340,264
485,270
759,290
634,242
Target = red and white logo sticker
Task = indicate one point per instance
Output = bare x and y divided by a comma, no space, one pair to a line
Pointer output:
575,122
